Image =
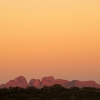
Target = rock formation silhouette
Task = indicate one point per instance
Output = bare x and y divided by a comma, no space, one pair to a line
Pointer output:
48,81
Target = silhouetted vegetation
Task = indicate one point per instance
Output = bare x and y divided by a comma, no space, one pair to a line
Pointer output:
55,92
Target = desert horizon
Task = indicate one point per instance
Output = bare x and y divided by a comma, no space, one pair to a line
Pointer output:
49,49
50,38
48,81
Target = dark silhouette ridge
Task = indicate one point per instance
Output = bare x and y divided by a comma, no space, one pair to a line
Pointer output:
55,92
48,81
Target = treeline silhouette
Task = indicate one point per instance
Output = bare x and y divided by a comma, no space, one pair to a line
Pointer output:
55,92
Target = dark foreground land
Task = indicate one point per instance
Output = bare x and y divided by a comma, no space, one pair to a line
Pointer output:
55,92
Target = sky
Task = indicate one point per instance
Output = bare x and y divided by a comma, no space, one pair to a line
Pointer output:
59,38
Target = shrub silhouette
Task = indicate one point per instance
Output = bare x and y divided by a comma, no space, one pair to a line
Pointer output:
55,92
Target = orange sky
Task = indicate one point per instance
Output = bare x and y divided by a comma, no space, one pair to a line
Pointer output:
50,37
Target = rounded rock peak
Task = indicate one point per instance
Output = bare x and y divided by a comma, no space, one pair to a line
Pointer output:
74,81
20,79
90,82
48,78
31,82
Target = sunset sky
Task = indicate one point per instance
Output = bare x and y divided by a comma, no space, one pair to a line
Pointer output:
59,38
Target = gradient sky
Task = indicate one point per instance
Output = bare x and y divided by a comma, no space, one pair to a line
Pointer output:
59,38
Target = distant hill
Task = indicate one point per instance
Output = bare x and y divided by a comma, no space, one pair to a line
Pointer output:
48,81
